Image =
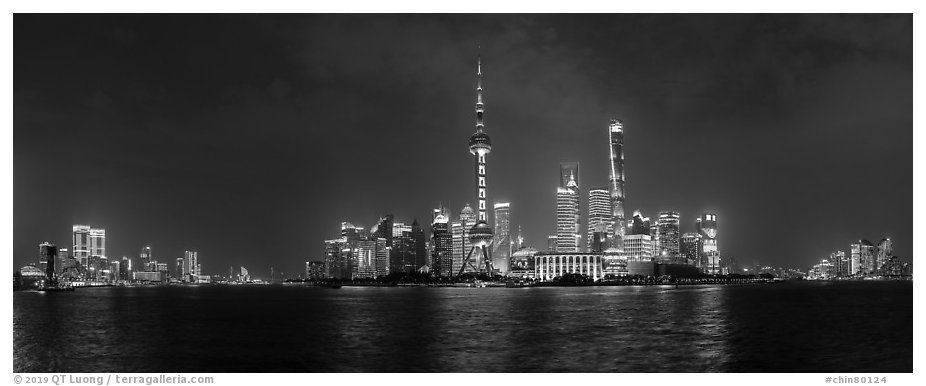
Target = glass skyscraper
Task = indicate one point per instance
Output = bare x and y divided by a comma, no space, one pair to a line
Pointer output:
600,219
501,247
567,217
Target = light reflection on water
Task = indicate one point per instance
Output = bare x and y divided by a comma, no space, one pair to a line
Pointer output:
577,329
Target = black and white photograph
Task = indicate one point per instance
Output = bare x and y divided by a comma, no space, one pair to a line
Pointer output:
199,195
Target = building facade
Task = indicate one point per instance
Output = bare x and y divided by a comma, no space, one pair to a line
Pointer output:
442,244
502,246
616,181
667,243
567,218
548,266
600,220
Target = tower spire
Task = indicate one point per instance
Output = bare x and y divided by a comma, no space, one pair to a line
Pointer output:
479,105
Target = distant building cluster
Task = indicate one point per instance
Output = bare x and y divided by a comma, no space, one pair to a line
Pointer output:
86,264
608,246
864,261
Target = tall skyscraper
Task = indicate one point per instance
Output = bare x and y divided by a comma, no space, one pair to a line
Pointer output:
421,251
382,257
569,171
338,255
145,258
616,185
44,258
567,217
667,243
883,252
190,265
599,212
502,247
709,258
63,259
866,258
460,230
80,243
690,249
442,241
98,242
855,261
480,235
364,263
48,253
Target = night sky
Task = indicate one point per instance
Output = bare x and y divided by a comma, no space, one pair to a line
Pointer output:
250,138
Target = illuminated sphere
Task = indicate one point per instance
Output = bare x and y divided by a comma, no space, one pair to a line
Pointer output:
480,142
480,234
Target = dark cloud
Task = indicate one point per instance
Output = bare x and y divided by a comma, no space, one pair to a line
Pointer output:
251,137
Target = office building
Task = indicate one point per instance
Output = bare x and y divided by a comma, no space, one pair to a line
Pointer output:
883,252
638,247
600,219
502,246
567,217
667,243
442,244
80,245
710,254
690,249
616,181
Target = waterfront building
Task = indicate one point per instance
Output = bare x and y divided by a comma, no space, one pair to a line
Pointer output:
600,219
337,258
866,258
420,260
569,179
363,264
824,270
382,257
245,276
690,248
616,181
63,257
480,234
883,252
840,263
638,247
80,243
522,263
548,266
145,258
461,245
442,242
98,249
599,241
567,217
48,253
179,269
190,265
46,259
314,270
147,276
855,262
501,247
667,245
710,255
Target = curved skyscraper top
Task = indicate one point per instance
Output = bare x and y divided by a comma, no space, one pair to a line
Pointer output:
616,182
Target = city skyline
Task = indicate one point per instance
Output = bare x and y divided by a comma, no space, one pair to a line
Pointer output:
290,186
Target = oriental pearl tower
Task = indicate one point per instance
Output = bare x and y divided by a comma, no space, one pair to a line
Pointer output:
480,235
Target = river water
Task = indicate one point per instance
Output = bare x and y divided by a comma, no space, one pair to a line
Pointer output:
788,327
